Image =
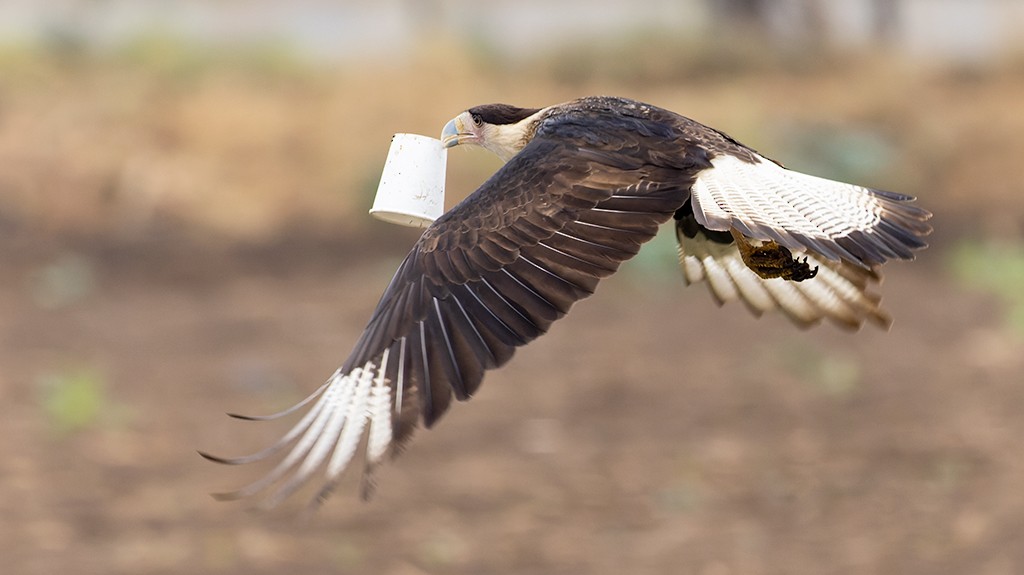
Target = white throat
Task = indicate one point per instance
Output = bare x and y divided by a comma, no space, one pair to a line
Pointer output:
505,141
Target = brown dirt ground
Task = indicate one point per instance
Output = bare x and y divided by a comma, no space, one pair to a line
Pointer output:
649,432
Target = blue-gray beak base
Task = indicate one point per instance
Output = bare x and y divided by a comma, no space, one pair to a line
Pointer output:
450,134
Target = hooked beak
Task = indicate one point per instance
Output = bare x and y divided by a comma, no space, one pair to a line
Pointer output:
455,132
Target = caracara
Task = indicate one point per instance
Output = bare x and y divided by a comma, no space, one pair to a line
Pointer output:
584,185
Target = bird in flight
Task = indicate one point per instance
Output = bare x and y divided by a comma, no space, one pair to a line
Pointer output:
584,185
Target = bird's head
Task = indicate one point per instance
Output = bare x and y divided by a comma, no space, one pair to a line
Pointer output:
500,128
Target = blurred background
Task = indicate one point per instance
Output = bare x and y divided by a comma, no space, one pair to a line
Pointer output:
183,232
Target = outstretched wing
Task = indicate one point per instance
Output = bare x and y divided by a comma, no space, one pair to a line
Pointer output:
836,221
845,230
490,275
840,291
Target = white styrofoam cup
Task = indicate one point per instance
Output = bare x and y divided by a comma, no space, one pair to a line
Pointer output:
411,189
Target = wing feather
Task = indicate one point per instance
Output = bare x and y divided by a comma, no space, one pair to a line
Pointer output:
490,275
839,292
764,200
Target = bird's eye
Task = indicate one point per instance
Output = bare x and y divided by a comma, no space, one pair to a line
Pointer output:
477,120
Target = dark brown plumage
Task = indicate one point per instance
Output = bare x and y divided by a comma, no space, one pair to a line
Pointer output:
586,184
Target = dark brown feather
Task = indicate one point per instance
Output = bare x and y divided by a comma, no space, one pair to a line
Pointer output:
494,272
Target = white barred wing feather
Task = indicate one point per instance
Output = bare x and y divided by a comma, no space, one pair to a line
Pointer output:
328,435
839,221
839,292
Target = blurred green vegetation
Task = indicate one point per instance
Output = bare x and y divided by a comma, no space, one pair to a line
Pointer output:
659,57
682,496
827,371
73,399
173,56
62,282
950,472
996,268
444,548
159,52
658,259
163,135
839,152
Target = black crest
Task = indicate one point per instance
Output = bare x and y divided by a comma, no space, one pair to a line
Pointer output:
500,114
